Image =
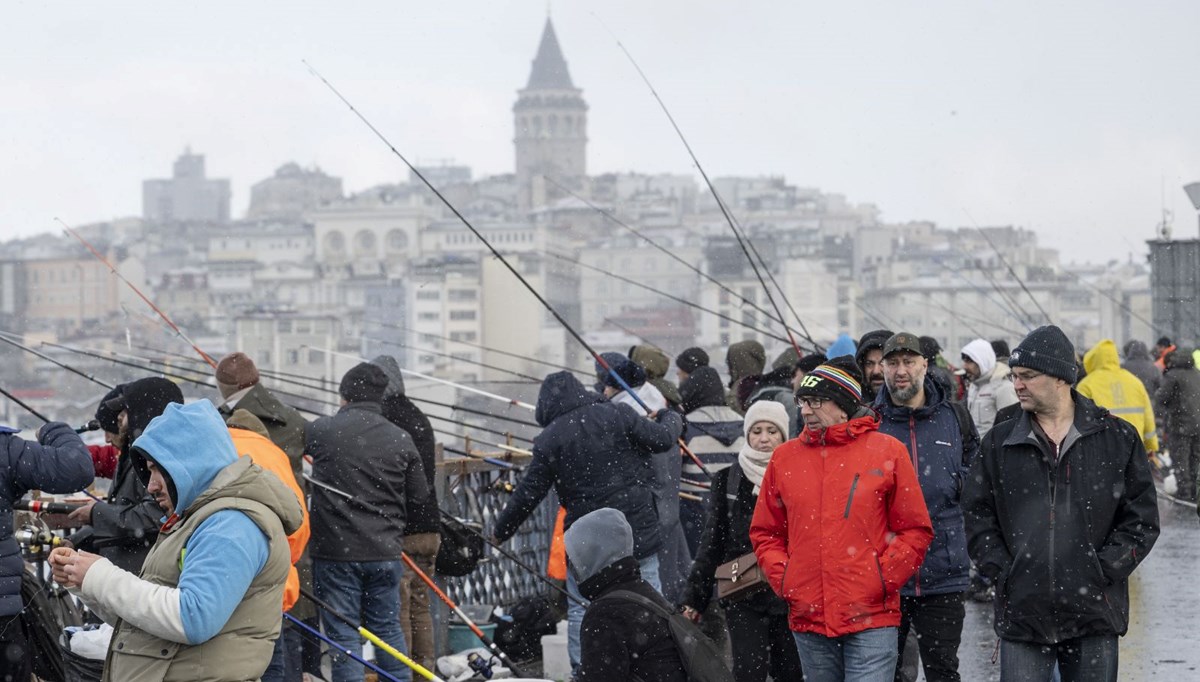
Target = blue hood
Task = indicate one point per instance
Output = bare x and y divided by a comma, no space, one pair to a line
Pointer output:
192,444
844,345
561,393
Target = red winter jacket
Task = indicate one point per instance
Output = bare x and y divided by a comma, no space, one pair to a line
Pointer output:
840,526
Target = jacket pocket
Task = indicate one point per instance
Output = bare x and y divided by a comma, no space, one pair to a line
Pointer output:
882,582
850,497
136,654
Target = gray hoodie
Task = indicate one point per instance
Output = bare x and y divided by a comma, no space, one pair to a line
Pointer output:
395,377
597,540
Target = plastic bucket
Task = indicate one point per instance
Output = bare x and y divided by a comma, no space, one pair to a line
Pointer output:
461,638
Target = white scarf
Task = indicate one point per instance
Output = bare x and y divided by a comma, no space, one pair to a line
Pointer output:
754,465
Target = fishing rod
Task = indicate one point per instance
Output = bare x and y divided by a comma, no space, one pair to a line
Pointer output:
1015,309
455,358
372,638
959,317
25,405
670,254
1157,330
47,358
477,345
720,204
131,285
672,297
1002,304
1012,272
630,332
322,637
508,265
493,396
487,641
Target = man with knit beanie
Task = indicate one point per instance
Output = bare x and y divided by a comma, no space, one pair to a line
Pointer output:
690,360
1060,508
840,525
238,380
356,544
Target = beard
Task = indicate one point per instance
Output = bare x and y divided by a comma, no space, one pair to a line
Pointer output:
902,395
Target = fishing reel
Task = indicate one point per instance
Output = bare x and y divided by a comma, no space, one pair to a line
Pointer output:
481,666
36,542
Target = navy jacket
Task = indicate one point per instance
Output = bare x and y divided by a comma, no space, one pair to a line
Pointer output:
595,454
934,439
58,463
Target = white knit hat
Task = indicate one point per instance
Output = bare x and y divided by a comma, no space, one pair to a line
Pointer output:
767,411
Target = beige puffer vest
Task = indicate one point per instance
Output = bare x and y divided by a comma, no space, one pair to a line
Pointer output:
242,649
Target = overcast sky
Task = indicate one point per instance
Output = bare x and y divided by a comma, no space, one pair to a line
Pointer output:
1073,118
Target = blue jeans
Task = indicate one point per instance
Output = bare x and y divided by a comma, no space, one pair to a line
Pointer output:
1083,658
649,570
866,656
367,592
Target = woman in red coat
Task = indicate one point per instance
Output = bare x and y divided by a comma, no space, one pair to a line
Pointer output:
839,527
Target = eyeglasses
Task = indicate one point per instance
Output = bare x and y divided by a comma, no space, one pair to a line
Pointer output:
811,403
1026,377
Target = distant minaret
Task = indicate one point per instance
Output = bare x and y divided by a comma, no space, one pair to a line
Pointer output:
550,123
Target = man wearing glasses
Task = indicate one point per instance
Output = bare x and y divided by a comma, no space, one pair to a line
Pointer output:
941,442
1060,510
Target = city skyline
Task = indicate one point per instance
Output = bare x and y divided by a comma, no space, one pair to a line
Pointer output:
1070,122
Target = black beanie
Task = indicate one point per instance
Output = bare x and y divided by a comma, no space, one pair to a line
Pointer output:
109,409
631,372
1048,350
364,383
1000,348
810,362
835,383
691,359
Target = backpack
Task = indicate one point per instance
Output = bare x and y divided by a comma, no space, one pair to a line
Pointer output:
702,662
966,427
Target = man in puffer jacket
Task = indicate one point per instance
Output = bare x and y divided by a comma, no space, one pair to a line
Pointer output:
1179,402
917,412
1119,391
714,434
988,388
58,462
840,525
206,604
1060,509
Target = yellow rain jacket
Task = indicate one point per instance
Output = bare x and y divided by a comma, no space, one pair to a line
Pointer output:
1118,390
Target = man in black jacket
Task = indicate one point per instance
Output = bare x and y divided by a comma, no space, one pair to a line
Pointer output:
356,542
125,525
422,528
621,640
1060,510
595,454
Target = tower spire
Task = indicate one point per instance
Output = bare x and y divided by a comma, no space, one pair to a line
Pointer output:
549,70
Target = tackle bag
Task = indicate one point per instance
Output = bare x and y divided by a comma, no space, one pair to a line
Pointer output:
461,550
519,633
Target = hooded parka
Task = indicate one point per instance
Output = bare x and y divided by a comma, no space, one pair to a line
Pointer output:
1118,391
840,525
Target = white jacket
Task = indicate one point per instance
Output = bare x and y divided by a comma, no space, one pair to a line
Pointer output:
988,395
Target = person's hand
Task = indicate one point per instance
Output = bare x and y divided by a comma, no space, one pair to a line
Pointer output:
691,614
82,515
73,567
59,558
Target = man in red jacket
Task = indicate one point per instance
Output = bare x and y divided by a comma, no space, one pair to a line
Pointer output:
840,526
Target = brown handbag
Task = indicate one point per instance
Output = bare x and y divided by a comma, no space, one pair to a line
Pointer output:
740,578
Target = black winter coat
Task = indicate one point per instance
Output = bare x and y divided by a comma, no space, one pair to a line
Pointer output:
359,452
595,454
1059,537
727,537
620,640
1178,399
423,514
58,463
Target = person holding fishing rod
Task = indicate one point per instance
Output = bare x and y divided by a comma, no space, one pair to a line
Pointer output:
205,605
356,547
58,462
595,454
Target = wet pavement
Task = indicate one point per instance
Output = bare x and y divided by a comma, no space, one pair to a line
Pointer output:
1163,642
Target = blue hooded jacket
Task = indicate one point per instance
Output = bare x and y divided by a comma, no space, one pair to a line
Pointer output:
934,440
844,345
191,444
595,454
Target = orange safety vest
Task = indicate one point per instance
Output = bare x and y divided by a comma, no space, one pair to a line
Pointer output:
556,566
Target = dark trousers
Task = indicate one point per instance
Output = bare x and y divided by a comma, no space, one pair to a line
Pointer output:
1185,454
938,622
285,663
16,658
761,643
1084,659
